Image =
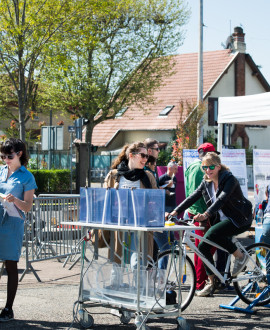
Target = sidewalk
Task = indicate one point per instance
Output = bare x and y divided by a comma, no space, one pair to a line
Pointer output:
49,305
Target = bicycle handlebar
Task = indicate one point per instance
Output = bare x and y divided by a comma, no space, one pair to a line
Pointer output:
187,222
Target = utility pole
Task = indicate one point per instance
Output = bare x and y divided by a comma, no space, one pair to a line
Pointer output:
200,72
200,57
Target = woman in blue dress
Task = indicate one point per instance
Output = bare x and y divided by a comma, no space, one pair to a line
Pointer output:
18,185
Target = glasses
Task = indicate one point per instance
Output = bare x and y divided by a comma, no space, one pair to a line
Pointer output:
3,157
211,167
143,155
157,149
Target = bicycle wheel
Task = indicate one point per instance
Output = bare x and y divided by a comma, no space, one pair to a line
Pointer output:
255,277
188,281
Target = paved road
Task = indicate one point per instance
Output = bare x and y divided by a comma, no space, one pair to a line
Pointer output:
49,305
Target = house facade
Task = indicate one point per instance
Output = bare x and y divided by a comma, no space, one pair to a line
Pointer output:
227,72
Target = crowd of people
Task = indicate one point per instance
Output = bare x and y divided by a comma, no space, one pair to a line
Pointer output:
214,200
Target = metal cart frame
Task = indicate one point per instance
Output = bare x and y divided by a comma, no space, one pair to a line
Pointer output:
141,314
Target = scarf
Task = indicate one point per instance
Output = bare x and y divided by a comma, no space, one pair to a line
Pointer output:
133,175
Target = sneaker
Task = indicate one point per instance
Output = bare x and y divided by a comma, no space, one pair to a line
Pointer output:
207,291
239,264
6,315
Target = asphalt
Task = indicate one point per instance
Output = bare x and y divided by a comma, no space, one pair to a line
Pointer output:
49,304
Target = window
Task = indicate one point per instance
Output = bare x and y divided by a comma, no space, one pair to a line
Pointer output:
166,110
121,112
212,111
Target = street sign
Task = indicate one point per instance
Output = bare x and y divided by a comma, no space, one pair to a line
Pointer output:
52,138
71,129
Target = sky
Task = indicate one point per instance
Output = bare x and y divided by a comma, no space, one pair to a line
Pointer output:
220,17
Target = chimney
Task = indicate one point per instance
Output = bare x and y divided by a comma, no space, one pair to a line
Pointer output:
239,40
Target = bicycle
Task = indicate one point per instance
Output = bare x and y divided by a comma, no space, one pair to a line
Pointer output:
249,283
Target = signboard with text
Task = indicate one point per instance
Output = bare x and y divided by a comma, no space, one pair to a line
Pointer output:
261,171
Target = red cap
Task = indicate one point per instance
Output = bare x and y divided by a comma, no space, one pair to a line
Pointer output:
207,147
260,206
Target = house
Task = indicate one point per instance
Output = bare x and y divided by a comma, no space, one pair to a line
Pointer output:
227,72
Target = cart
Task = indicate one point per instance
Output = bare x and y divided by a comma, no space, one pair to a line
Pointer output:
135,292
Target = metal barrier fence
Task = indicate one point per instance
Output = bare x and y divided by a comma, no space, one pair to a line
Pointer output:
45,237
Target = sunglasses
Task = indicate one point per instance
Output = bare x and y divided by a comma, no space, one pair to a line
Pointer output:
3,157
143,155
211,167
157,149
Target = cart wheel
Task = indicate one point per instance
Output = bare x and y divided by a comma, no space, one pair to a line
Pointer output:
125,319
86,320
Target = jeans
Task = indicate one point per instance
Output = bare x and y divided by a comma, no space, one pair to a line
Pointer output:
133,249
163,244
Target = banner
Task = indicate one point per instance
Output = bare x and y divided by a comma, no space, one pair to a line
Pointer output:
189,156
235,159
261,170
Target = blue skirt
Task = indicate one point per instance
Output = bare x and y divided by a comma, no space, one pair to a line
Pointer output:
11,238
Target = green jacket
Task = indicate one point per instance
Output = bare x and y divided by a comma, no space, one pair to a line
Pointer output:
193,178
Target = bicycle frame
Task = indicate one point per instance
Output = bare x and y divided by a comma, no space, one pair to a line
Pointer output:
224,279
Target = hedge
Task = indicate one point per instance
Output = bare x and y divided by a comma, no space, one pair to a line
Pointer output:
52,181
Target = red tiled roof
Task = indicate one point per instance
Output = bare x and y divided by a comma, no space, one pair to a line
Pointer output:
182,86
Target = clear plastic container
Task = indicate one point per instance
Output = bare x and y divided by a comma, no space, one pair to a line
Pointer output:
93,205
110,283
125,207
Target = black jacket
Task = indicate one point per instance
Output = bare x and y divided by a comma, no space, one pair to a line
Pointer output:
229,199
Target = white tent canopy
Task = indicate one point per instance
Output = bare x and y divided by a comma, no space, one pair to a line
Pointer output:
244,110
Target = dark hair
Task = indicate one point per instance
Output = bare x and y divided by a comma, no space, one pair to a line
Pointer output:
202,153
127,149
151,160
149,143
15,145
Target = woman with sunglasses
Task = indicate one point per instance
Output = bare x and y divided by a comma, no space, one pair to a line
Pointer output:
228,212
128,173
18,186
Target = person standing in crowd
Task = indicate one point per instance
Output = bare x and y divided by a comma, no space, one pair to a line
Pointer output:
168,182
228,212
151,165
152,150
128,172
193,178
18,185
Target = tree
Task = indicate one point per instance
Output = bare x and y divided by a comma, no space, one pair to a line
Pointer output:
26,29
116,57
187,129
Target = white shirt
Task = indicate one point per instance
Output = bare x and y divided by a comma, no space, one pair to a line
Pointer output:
127,184
214,198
